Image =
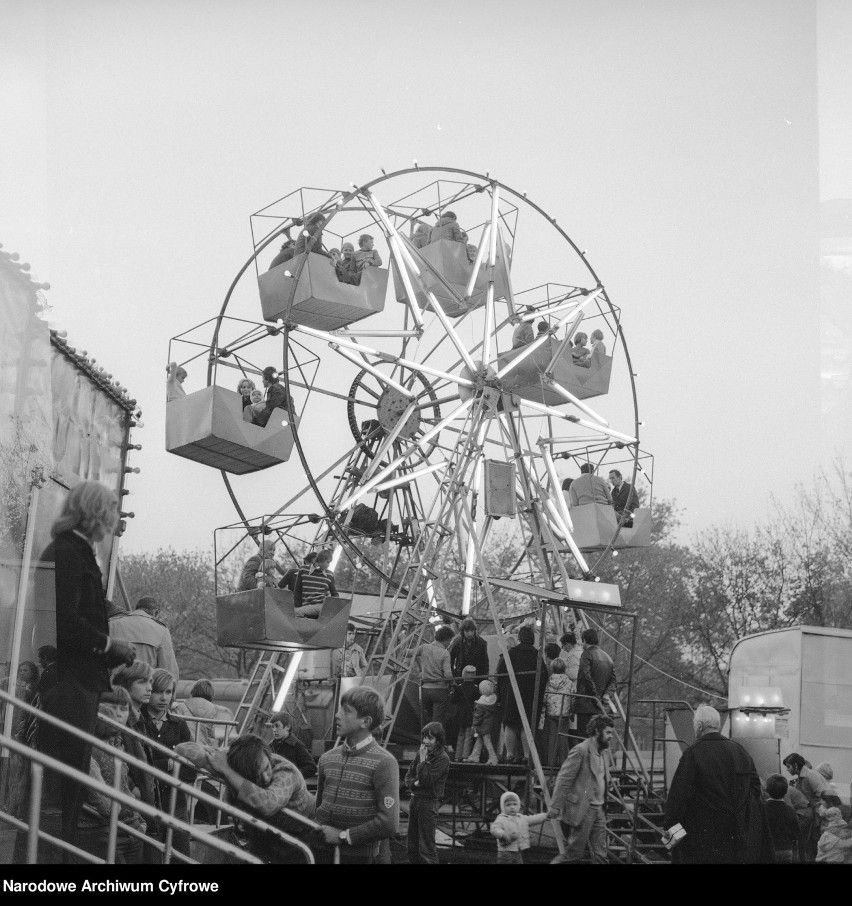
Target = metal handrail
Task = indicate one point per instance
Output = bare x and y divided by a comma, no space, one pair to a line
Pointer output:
213,721
39,761
653,702
150,841
159,775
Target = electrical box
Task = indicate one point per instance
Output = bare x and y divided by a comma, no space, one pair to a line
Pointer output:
500,499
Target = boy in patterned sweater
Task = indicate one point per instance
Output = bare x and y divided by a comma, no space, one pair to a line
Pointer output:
358,783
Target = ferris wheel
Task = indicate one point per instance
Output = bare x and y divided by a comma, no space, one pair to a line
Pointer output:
440,393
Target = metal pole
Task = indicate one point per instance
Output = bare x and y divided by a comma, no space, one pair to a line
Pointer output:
35,813
542,637
113,812
629,695
167,852
20,605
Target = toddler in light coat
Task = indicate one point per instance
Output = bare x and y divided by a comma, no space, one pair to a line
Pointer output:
512,829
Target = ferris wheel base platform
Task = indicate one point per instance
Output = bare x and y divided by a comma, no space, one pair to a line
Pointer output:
208,427
264,618
450,260
595,524
319,299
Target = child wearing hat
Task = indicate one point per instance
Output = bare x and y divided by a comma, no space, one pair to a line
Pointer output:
484,716
255,407
464,697
512,829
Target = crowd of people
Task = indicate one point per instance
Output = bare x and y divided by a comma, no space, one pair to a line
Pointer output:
106,684
559,690
729,816
112,679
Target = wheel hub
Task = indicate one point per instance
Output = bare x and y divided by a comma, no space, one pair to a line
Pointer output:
485,384
390,409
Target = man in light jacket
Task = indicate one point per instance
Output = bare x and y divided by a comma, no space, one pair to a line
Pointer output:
144,629
580,794
435,676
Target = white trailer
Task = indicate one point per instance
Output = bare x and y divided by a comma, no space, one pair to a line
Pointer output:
790,690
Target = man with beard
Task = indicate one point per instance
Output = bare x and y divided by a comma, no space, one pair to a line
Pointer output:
580,793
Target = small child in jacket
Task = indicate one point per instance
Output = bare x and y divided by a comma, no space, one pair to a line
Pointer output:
426,779
835,843
484,716
557,712
783,823
512,830
464,697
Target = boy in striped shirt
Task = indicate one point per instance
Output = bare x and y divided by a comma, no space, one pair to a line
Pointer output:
358,783
313,586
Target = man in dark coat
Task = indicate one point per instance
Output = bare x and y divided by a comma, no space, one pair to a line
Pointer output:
623,498
469,650
716,796
595,679
286,744
276,397
49,670
527,665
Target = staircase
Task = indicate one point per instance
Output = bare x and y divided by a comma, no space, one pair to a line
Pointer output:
635,820
256,704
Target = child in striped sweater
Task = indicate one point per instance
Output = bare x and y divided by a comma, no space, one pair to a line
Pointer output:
358,783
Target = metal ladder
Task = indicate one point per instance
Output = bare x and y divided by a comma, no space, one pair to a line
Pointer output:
256,703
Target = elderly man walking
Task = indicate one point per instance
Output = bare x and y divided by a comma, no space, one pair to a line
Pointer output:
580,793
716,796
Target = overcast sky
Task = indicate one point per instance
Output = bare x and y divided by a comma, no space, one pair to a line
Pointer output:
679,142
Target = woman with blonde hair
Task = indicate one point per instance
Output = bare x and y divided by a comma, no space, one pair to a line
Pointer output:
244,388
85,651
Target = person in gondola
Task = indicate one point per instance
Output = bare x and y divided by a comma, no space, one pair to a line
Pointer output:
310,239
276,397
287,252
446,228
174,382
314,586
347,268
366,256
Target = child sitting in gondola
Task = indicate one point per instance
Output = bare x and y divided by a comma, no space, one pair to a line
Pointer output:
366,256
580,352
255,406
346,267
